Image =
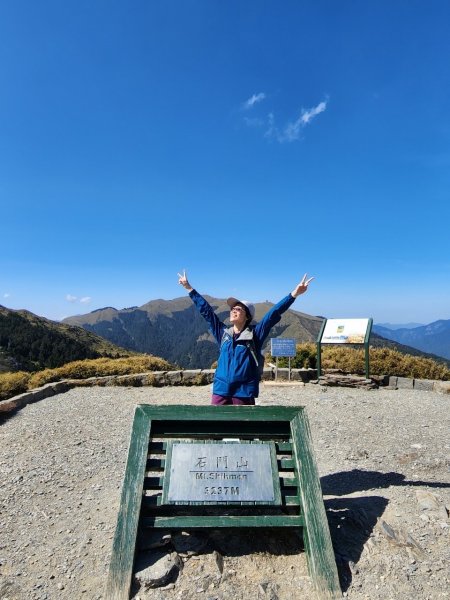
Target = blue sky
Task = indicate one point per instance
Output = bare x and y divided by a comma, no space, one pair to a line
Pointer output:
247,142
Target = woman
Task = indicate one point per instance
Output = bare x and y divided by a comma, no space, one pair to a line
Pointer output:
236,380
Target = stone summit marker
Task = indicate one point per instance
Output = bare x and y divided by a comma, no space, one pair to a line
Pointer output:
221,472
200,467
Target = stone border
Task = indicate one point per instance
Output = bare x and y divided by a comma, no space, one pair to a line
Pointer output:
205,376
151,378
424,385
16,402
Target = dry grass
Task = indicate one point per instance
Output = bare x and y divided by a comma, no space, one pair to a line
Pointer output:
12,384
383,361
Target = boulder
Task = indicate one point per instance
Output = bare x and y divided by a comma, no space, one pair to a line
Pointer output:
155,569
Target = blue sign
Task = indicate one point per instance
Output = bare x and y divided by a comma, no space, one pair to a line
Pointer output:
282,347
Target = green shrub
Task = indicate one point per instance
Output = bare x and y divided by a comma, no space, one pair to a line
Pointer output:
306,357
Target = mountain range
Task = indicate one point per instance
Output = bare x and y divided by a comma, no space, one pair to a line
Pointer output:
174,330
433,338
400,326
170,329
29,342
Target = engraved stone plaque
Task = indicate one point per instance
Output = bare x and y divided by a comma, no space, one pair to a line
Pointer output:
221,472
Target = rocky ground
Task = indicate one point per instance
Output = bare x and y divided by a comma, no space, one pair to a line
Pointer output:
383,457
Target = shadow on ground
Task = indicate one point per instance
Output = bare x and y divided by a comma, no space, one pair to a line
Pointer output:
357,480
6,415
351,522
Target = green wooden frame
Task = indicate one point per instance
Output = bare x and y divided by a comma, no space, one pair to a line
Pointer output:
302,495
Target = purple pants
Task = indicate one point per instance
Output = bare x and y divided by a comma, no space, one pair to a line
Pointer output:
220,400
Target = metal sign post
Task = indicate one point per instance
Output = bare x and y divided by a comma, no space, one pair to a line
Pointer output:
285,347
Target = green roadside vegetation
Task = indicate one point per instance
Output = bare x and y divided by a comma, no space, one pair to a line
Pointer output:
383,361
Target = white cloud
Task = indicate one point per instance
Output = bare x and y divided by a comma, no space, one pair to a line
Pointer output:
255,99
292,130
308,115
271,130
85,300
6,295
71,298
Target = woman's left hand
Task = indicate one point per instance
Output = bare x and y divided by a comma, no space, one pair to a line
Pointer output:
302,287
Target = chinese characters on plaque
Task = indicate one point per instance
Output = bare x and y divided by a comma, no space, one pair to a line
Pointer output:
220,472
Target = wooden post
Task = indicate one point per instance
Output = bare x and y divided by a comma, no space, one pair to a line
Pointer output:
366,346
319,349
121,565
319,550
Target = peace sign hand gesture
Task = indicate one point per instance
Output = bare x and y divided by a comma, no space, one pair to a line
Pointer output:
302,287
183,280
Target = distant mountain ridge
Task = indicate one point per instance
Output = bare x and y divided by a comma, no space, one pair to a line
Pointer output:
170,329
433,338
29,342
175,331
400,326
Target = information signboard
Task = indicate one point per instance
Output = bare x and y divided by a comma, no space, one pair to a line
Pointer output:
345,331
282,347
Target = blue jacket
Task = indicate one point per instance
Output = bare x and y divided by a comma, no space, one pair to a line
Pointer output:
237,372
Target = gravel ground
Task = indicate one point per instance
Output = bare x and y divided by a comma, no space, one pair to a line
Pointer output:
383,458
